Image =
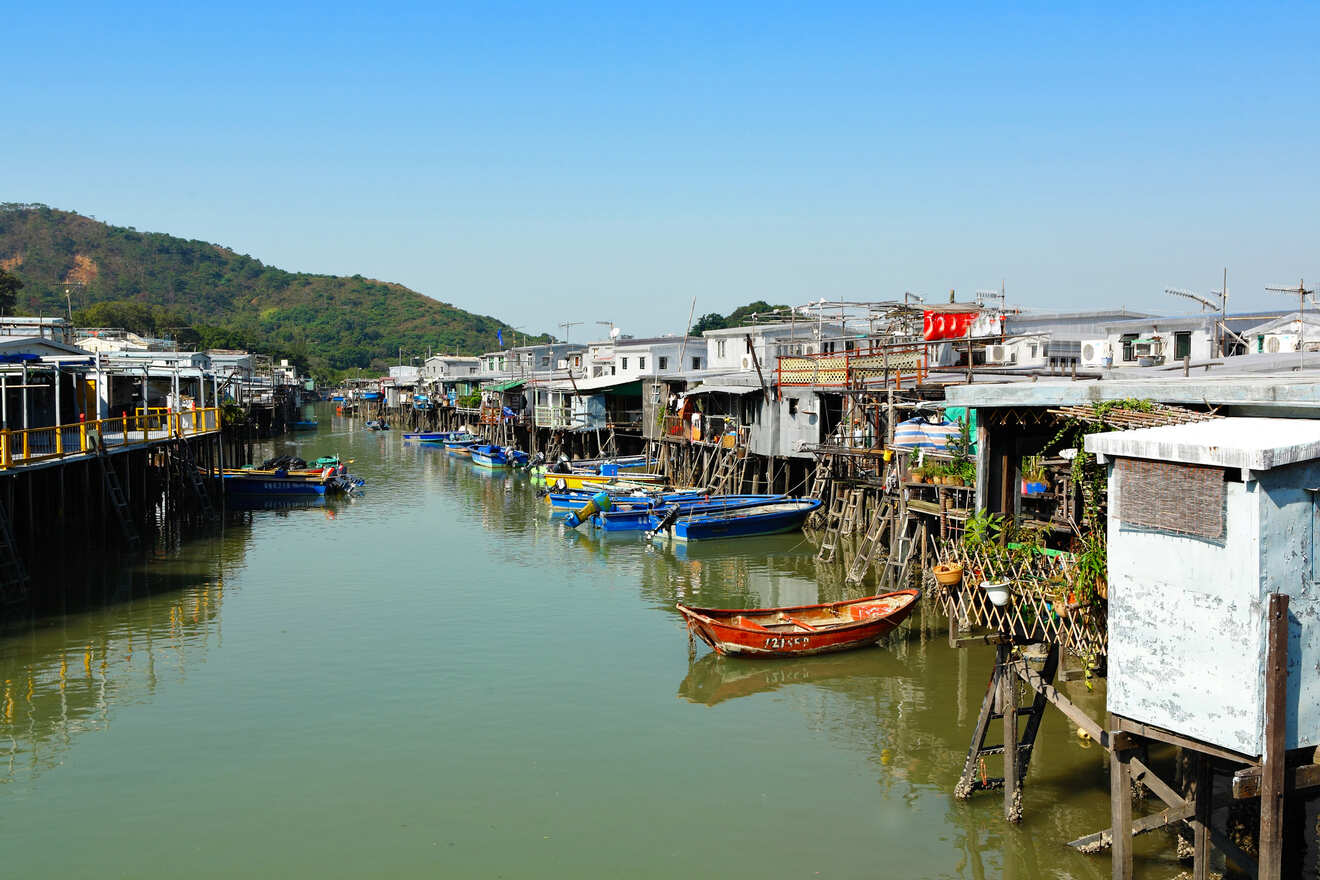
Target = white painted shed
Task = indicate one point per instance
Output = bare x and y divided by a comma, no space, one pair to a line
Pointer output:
1205,521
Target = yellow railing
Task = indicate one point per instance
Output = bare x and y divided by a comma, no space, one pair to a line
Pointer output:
27,445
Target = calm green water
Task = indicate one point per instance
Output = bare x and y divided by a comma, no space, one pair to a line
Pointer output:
436,680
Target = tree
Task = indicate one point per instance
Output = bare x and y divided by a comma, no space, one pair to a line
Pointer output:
10,285
710,321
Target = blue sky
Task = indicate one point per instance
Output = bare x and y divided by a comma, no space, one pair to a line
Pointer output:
548,163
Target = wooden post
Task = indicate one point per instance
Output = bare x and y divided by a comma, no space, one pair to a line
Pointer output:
1203,795
1120,804
1008,706
1276,719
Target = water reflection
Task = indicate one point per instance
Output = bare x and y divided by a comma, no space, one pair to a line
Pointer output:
61,679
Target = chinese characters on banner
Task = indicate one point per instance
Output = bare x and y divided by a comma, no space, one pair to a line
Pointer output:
946,325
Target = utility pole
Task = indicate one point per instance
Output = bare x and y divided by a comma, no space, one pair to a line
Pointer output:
1302,293
566,325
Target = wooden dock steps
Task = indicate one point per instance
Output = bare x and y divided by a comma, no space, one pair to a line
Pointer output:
13,574
113,491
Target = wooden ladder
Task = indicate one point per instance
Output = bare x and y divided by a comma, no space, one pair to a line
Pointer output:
110,479
829,542
186,465
899,563
881,521
851,511
13,574
1001,703
723,473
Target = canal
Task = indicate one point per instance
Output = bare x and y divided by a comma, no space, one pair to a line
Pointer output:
435,679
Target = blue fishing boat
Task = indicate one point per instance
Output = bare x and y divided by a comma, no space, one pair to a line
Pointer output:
426,437
377,425
460,445
306,425
764,519
576,499
488,455
278,483
637,518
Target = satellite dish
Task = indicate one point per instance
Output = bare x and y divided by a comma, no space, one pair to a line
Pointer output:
614,333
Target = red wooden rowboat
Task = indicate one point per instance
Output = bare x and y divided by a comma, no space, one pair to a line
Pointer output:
801,629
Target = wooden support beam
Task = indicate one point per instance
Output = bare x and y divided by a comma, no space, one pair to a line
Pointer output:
1012,755
1065,705
1272,765
1247,781
1147,777
1203,805
1100,840
1120,807
1146,731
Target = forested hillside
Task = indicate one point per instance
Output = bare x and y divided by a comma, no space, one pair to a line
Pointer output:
205,294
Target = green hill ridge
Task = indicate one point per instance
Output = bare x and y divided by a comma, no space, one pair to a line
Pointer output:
206,295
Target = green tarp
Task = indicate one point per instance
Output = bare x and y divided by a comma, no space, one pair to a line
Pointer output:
507,386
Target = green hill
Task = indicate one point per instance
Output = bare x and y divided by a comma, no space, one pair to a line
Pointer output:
207,295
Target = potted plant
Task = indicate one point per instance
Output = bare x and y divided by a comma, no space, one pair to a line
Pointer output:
1093,567
948,573
983,534
1033,475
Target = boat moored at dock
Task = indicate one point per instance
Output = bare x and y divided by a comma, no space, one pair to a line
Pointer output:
763,519
800,629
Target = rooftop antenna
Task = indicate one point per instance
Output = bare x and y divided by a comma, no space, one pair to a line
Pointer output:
910,297
1302,293
566,325
991,297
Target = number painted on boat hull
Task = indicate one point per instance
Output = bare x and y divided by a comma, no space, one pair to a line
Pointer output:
780,642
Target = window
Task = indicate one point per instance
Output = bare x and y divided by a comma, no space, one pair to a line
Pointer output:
664,363
1126,339
545,361
696,362
641,363
1182,345
849,346
623,363
719,351
1031,350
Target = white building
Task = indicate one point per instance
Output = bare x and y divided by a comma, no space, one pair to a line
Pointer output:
450,368
658,356
1284,333
727,350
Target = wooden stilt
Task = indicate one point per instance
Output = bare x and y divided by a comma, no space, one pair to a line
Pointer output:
1120,804
1272,764
1203,794
1008,708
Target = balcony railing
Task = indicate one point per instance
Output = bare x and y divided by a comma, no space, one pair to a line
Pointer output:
27,445
854,369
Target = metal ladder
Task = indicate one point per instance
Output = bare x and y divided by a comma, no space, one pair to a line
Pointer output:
875,534
182,458
110,478
13,574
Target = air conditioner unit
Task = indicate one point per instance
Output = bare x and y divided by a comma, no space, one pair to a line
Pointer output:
747,362
561,364
809,348
1095,353
998,354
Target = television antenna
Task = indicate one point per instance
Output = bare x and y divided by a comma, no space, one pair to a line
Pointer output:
566,325
997,298
1302,293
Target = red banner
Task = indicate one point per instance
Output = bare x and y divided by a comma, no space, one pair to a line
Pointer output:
946,325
